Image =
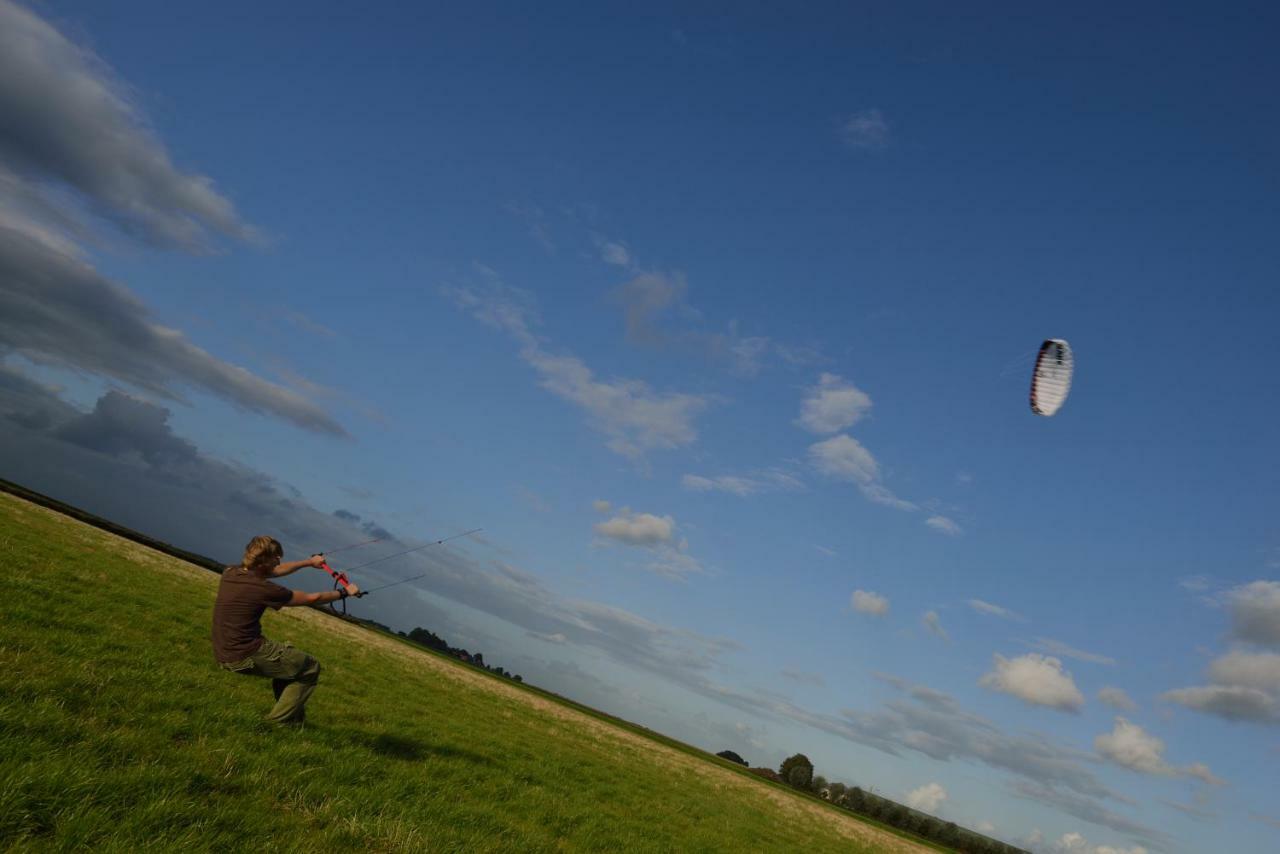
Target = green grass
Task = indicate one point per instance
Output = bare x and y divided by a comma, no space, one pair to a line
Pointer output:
118,732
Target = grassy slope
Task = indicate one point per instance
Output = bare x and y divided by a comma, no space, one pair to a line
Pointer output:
117,730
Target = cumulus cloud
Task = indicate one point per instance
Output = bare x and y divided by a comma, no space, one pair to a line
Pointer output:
933,623
1259,670
1255,612
865,130
1036,679
943,525
1116,698
772,480
601,506
1232,702
638,529
866,602
657,535
928,798
1132,747
123,425
995,610
832,405
1245,687
70,123
844,458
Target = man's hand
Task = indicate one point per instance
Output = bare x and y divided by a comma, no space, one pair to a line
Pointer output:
316,560
353,590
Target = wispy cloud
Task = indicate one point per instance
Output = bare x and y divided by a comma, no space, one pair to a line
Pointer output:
770,480
536,223
944,525
844,458
613,252
657,314
634,418
1116,698
805,678
933,623
983,607
1058,648
865,130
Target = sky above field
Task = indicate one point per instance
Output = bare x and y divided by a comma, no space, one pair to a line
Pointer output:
720,322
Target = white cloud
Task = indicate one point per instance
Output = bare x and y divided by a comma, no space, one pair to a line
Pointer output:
1134,748
635,418
1247,669
638,529
1116,698
943,525
1246,687
995,610
832,405
866,602
1062,650
844,458
824,551
934,625
1074,843
985,827
1035,679
1255,612
614,253
772,480
927,798
601,506
805,678
866,129
1228,701
1196,583
655,534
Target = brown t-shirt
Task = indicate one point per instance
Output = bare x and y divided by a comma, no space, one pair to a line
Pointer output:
237,613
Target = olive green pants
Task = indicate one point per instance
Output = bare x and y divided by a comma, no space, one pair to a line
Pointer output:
293,676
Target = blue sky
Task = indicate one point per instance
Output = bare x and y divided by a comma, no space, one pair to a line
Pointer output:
719,321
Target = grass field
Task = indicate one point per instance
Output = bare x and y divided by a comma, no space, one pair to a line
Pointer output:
118,732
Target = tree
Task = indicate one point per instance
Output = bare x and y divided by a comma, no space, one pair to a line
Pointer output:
732,757
837,791
797,771
819,785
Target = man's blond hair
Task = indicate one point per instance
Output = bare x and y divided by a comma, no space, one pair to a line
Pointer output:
261,550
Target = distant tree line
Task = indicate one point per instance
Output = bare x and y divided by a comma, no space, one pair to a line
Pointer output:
797,771
431,640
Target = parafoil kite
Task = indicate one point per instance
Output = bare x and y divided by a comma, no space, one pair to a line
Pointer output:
1051,380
